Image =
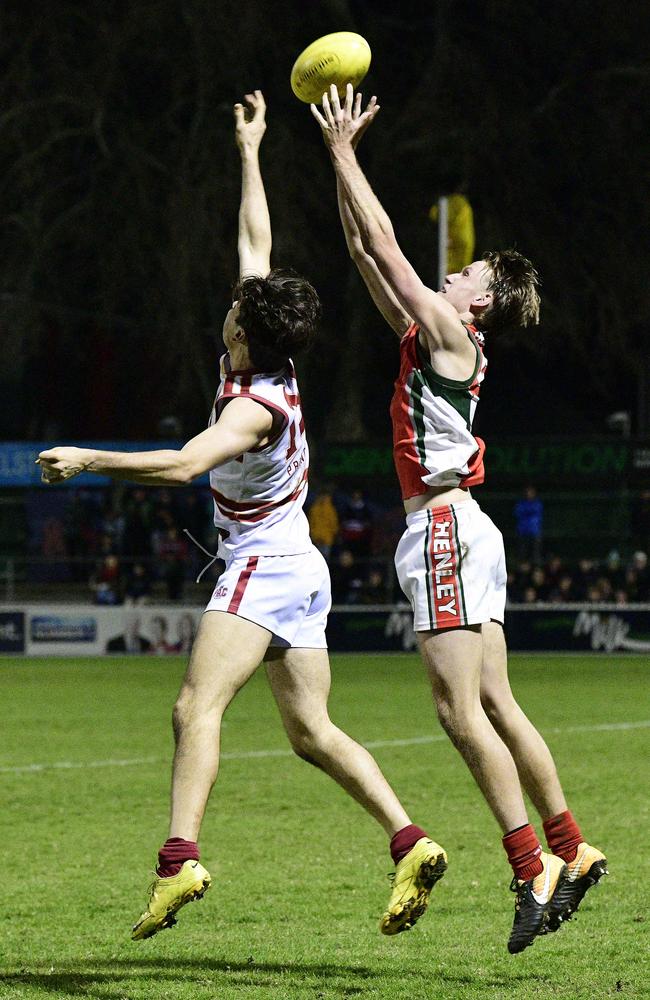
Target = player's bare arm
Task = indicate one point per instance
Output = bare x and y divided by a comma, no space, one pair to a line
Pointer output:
380,291
438,320
242,425
254,241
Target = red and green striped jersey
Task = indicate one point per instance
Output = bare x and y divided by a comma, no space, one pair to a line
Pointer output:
432,417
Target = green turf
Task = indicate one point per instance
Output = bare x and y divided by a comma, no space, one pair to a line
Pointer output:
299,870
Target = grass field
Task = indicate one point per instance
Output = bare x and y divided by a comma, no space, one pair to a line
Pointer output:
298,869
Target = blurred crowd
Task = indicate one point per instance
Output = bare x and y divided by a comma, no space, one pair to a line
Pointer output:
557,581
124,541
129,545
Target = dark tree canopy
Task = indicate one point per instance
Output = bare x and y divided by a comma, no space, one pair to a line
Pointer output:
119,189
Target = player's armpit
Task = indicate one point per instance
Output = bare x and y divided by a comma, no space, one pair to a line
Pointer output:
242,425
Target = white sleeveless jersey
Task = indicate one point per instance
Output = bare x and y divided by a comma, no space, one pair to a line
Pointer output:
432,417
259,496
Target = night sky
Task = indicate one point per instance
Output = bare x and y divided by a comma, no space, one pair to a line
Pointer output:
119,190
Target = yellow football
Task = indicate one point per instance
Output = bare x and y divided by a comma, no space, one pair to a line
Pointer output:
340,58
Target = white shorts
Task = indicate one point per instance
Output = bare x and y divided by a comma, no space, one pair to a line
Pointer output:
451,565
288,595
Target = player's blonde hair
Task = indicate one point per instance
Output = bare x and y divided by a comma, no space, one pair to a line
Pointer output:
514,285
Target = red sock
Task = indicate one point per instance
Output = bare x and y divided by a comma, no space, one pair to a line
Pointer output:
563,835
524,850
173,853
404,840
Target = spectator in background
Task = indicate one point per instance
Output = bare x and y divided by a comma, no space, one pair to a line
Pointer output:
137,589
112,525
53,544
138,524
539,582
323,522
585,578
356,525
563,591
81,530
346,579
163,515
641,520
614,570
171,550
105,582
594,595
639,566
373,588
529,513
554,570
192,517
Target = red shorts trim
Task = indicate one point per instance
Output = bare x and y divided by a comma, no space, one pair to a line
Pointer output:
242,583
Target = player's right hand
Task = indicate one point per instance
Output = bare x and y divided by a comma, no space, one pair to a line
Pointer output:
250,121
344,125
59,464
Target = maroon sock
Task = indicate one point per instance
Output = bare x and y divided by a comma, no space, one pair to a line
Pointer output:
404,840
173,853
563,835
524,850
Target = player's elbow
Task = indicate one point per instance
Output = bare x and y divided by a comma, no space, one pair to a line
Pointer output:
381,246
184,471
356,248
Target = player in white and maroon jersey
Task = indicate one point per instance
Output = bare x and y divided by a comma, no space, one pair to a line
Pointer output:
271,602
450,560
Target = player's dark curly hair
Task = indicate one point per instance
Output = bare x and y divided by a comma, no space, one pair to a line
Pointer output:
514,284
278,314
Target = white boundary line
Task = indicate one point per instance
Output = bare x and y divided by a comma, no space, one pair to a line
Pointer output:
70,765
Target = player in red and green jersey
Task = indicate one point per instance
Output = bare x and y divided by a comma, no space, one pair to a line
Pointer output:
450,560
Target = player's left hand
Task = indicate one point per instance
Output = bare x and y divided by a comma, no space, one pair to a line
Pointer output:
344,125
59,464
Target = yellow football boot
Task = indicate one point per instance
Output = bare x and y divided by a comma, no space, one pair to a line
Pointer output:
167,895
586,869
414,878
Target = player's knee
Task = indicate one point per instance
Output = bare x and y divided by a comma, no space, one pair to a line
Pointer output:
181,713
307,743
499,709
191,710
491,707
456,720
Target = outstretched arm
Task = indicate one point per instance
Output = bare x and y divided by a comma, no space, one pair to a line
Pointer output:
339,126
242,425
381,292
254,242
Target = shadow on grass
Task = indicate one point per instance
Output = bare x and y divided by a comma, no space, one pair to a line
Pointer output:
104,976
